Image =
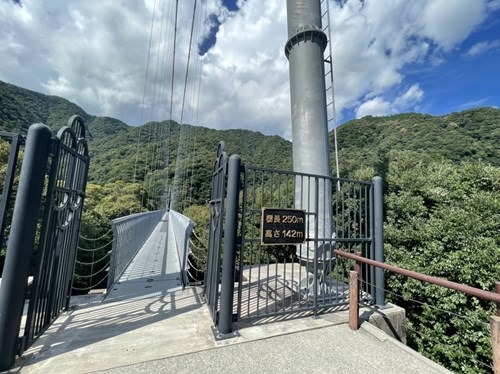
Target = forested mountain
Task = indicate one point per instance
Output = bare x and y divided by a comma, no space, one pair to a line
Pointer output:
19,108
119,151
124,153
442,197
471,134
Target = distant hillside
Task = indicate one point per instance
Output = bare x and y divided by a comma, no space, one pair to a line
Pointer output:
20,108
471,134
122,152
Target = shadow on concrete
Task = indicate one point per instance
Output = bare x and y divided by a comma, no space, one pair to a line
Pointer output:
146,287
277,298
390,319
98,322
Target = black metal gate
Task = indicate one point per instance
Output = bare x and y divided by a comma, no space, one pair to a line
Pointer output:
249,279
213,273
45,224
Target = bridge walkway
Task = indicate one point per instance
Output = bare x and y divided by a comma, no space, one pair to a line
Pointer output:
154,271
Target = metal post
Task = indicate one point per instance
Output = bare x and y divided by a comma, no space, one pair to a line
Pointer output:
311,154
378,238
21,240
230,239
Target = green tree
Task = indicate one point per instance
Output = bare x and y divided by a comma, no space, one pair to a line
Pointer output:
443,220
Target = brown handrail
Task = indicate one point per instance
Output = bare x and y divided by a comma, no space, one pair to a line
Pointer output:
487,295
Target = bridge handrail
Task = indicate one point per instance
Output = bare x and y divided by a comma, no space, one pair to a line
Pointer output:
129,234
486,295
181,227
354,278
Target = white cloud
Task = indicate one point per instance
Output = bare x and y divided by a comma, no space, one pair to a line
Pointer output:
407,100
447,23
472,104
493,5
372,44
246,71
373,107
482,48
94,53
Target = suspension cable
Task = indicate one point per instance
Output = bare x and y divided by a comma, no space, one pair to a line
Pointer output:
144,92
93,262
172,91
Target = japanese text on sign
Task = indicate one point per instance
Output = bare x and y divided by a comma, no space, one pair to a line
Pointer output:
283,226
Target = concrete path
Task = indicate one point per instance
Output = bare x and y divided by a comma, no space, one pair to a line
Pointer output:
173,334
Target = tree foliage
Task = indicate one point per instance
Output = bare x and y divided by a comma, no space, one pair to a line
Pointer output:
443,219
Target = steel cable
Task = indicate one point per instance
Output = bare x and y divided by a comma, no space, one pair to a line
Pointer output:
95,239
89,287
430,306
144,92
96,249
93,262
194,267
94,274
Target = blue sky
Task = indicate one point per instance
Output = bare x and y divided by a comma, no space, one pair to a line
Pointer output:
429,56
462,80
210,39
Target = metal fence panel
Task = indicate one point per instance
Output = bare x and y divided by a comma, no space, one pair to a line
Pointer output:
16,141
305,277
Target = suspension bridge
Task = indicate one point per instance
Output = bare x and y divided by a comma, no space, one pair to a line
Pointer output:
277,247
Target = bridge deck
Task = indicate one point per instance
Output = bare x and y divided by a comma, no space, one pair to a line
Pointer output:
154,271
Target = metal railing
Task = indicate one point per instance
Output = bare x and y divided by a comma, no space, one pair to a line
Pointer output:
215,239
129,234
181,228
355,277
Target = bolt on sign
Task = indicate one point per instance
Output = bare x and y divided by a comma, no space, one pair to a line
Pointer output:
283,226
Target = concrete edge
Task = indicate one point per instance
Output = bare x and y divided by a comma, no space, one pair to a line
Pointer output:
383,337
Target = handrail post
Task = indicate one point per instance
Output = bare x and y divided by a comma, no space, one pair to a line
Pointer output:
495,334
497,290
230,239
354,278
22,240
378,238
